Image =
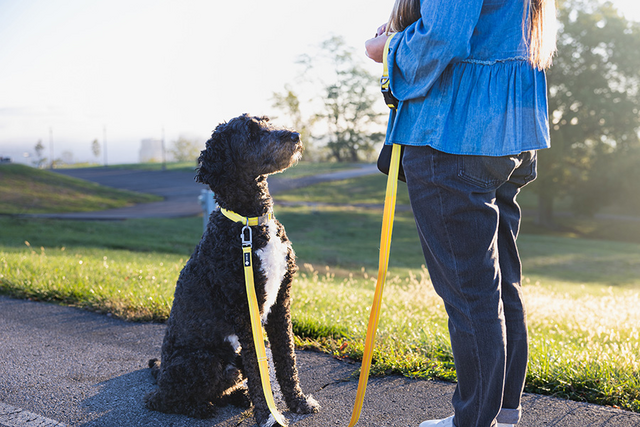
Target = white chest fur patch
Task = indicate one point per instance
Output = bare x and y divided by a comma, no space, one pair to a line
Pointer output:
273,258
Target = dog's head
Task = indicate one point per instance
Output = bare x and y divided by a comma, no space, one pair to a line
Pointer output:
246,147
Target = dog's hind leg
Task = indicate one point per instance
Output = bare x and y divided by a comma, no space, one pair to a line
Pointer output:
160,401
189,384
280,333
236,392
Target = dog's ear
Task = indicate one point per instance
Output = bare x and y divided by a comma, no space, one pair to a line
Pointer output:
214,163
254,125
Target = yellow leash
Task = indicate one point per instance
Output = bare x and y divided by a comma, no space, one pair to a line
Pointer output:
383,263
254,310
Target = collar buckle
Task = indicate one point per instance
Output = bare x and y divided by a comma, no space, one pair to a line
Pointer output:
246,236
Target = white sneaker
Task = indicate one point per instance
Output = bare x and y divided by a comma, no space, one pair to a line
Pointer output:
447,422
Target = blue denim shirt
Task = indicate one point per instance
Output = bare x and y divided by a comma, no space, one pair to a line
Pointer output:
464,83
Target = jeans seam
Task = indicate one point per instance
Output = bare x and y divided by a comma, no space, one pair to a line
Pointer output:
457,279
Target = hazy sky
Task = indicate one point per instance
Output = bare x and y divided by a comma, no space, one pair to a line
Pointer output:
136,67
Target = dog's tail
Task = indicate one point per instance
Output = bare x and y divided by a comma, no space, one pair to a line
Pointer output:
154,364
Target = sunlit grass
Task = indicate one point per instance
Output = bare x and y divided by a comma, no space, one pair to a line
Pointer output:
584,346
130,285
584,342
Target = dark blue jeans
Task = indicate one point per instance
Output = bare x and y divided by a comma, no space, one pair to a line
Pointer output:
468,220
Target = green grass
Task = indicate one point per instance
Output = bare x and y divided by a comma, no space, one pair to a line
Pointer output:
299,170
28,190
149,235
370,190
588,228
584,344
362,190
583,318
131,285
151,166
316,168
582,294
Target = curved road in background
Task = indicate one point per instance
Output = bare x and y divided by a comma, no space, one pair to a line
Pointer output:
179,190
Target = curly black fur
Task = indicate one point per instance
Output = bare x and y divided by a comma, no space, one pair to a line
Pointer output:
200,367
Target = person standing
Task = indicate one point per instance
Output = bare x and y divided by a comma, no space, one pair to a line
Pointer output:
472,111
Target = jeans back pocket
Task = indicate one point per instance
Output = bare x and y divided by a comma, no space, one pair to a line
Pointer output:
490,172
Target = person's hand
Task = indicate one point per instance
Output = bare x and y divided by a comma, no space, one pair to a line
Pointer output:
374,47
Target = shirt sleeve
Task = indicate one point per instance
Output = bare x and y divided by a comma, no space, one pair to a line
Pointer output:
419,54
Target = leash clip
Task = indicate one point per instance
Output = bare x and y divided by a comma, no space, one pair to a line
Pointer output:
246,231
389,99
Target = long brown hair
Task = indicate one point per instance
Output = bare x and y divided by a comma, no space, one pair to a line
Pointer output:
541,32
403,14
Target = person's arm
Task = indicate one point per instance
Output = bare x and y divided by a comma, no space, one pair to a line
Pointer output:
374,47
419,54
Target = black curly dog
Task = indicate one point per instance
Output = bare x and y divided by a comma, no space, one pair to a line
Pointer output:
208,348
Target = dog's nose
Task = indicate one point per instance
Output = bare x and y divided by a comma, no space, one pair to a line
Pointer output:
295,137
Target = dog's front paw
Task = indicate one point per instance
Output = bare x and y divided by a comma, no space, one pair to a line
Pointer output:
305,405
271,422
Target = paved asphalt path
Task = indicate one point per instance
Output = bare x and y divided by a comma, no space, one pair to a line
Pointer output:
66,366
62,366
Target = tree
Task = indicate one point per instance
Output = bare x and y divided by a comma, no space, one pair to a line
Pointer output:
185,149
289,103
66,158
95,148
345,117
594,105
39,149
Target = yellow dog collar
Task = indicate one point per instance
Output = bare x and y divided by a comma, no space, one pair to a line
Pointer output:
253,220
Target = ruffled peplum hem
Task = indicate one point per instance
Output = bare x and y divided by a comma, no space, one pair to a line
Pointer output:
477,107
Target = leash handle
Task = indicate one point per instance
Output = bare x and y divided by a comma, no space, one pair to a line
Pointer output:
383,264
258,337
389,99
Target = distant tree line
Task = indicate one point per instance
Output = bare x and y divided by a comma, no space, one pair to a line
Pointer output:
594,109
183,149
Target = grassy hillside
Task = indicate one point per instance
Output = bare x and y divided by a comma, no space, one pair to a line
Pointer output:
370,190
28,190
302,168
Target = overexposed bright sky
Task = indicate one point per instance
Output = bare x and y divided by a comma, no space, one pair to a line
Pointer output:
71,68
